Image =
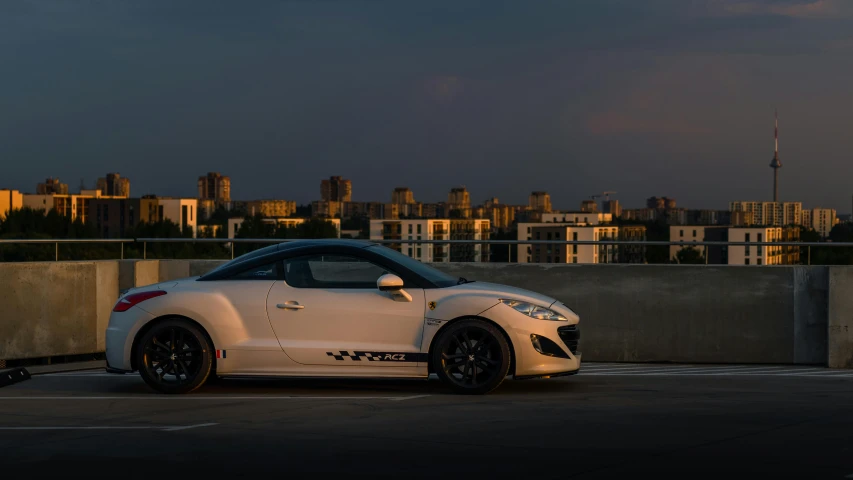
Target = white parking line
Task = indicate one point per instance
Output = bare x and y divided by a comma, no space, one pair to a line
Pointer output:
165,428
210,397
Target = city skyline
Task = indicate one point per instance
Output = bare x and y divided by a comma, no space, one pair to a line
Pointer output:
567,98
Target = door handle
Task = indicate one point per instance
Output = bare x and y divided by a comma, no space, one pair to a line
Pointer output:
290,306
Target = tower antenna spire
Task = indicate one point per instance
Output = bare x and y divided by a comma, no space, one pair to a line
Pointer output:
776,164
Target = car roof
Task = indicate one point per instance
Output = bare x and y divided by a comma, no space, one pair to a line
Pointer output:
289,245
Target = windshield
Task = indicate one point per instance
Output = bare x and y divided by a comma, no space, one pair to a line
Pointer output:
434,275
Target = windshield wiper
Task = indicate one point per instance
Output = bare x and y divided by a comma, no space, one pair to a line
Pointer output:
463,280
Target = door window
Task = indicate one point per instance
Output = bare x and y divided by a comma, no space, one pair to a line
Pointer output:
332,271
261,272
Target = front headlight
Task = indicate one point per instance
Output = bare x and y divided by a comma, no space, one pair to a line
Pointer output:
534,311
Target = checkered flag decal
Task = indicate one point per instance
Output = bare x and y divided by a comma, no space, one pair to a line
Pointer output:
357,356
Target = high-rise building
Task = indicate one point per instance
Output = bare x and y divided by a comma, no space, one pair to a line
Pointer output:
214,186
336,189
10,200
589,206
458,198
612,207
822,220
770,213
540,202
114,185
52,186
402,196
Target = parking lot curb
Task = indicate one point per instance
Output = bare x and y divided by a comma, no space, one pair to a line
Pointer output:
12,376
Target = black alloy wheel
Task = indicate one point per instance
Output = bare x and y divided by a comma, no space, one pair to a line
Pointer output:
471,356
174,357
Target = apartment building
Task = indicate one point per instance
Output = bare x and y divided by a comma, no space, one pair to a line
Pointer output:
271,208
700,233
114,185
114,217
52,186
10,200
540,202
570,253
75,206
214,186
435,229
585,218
336,189
402,196
182,211
763,254
235,223
770,213
567,253
821,220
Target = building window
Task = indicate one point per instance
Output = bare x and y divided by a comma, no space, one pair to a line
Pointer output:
575,247
548,235
746,261
758,262
574,259
410,251
419,229
694,233
419,252
537,235
410,229
746,248
548,260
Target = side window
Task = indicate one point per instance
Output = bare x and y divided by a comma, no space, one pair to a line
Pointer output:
261,272
332,271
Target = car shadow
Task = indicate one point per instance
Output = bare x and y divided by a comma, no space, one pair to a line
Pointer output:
348,386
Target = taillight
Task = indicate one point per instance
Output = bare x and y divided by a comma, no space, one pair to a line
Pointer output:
125,303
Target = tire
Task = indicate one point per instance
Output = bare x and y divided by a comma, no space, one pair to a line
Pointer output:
179,369
475,373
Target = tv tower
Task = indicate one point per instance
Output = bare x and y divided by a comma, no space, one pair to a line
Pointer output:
776,164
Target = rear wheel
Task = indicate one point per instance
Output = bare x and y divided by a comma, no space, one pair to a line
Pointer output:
471,356
174,357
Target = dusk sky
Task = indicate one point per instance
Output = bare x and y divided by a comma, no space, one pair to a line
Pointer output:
642,97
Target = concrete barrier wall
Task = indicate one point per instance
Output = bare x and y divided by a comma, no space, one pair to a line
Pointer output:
642,313
682,313
49,309
840,317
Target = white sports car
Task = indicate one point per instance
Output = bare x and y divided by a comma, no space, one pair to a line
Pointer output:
338,308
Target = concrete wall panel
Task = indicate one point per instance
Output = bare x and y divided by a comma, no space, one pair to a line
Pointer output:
49,309
665,313
840,317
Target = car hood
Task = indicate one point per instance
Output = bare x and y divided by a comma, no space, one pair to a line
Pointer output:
505,291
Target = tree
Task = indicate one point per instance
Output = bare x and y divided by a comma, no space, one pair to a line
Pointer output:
690,255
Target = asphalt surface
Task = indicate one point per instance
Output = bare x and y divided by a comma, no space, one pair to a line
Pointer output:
610,421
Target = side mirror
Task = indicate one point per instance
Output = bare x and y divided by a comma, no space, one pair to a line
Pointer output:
389,283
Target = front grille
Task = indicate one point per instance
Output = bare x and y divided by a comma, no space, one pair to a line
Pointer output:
570,335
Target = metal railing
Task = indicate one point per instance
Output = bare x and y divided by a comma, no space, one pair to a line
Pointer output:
57,241
230,242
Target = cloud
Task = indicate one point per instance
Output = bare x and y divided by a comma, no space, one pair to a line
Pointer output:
615,123
788,8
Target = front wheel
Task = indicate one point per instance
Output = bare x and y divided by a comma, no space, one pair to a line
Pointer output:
471,356
174,357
